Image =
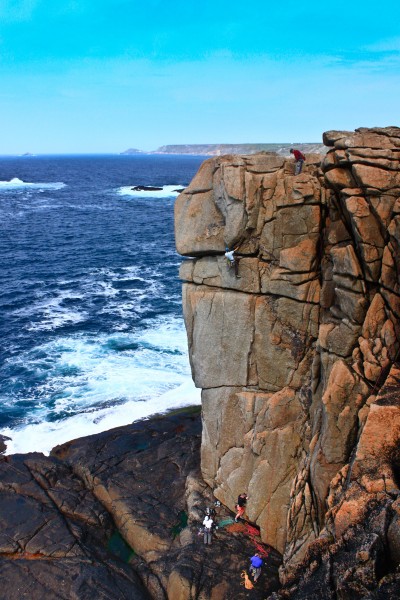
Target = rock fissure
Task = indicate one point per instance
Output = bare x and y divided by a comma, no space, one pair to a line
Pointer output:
40,483
326,318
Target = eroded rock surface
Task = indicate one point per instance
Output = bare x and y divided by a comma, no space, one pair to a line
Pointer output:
116,516
295,358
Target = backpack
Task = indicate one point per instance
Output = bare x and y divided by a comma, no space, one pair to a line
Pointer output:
247,583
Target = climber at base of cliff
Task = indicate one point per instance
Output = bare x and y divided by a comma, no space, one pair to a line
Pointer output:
256,563
241,506
299,158
233,261
208,524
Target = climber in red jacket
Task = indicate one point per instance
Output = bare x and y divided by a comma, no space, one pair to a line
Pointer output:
299,158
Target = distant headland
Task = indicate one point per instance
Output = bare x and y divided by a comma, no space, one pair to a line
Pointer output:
221,149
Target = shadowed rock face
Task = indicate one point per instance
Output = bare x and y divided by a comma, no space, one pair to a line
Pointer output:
54,534
298,359
116,516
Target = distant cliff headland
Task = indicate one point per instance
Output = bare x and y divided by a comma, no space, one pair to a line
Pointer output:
220,149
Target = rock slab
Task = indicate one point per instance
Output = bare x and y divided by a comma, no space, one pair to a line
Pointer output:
117,516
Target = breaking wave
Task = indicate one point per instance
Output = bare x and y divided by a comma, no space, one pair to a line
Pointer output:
16,184
87,384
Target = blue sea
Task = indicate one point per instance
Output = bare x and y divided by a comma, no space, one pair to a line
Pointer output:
91,327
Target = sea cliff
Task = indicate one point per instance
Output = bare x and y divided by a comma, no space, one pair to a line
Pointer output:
298,359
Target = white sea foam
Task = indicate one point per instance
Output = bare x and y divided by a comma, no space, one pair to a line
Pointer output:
42,437
107,282
58,318
51,309
168,191
91,384
16,183
52,314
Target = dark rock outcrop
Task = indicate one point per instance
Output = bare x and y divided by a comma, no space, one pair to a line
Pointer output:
146,188
116,515
3,445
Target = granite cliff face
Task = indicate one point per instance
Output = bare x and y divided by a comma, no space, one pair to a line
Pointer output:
298,360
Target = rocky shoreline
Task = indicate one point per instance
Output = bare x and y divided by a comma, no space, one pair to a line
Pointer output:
117,515
299,364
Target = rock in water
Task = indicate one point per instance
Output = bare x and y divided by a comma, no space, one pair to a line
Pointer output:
3,445
146,188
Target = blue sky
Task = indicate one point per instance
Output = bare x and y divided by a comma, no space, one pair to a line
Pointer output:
106,75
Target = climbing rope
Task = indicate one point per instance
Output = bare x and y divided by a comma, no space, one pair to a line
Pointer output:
225,522
253,532
246,581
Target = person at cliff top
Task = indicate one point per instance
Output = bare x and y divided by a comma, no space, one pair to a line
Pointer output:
240,506
256,563
208,526
233,261
299,158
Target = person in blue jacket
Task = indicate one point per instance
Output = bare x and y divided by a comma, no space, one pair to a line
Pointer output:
256,562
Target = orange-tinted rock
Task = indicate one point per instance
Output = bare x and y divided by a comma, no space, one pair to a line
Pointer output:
216,352
350,512
345,261
323,285
330,137
301,257
257,427
375,177
203,182
339,178
198,214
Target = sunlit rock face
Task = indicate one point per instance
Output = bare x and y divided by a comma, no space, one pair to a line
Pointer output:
293,355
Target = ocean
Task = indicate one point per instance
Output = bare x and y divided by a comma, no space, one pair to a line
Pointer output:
91,326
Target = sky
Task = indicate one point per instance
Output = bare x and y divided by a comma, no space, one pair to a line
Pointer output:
93,76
